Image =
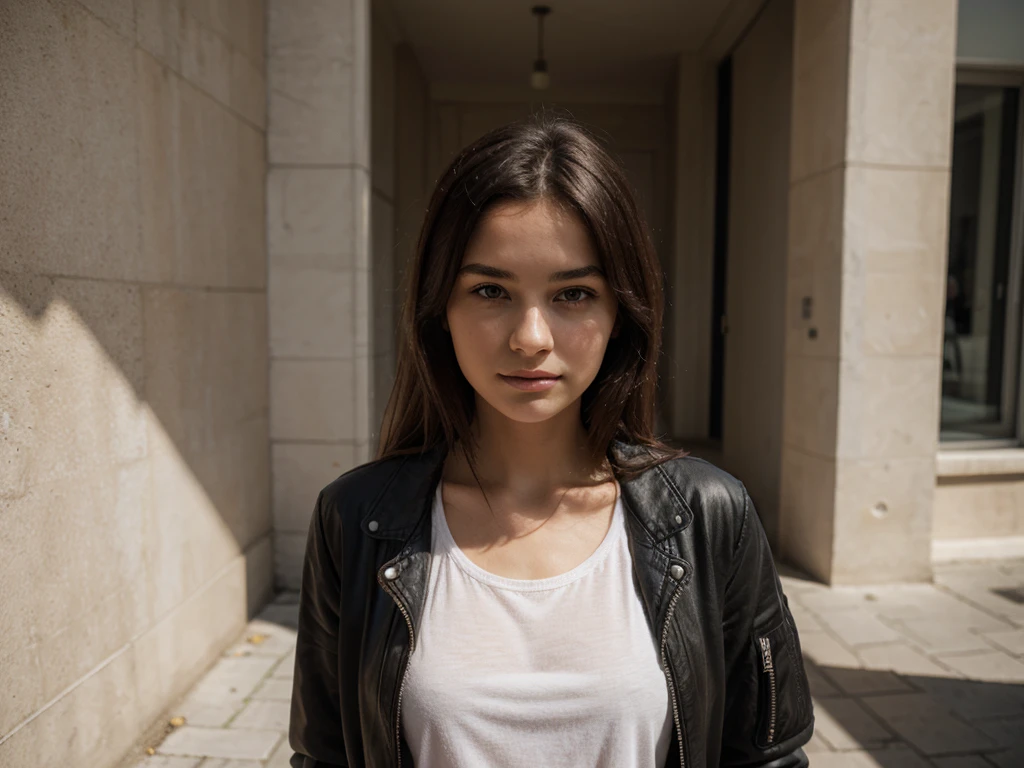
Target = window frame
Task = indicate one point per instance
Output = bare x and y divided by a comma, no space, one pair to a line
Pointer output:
1013,345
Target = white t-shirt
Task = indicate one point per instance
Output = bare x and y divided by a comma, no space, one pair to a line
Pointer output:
561,671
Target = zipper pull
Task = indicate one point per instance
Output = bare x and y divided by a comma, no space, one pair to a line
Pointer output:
766,655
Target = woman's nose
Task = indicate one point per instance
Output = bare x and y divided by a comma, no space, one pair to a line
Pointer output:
531,333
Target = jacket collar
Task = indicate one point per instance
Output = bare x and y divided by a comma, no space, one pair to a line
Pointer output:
653,497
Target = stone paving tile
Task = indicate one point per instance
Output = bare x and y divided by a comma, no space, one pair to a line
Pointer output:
216,762
923,601
928,725
235,743
805,620
989,600
281,756
961,761
838,599
974,700
894,757
859,682
821,686
1009,735
166,761
206,714
824,650
286,668
274,688
282,614
902,658
976,619
942,635
845,724
232,679
1011,641
263,638
259,715
857,626
817,744
992,666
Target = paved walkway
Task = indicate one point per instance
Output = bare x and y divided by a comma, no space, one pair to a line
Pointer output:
928,676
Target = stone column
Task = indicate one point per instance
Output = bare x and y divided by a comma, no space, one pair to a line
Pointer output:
870,164
319,294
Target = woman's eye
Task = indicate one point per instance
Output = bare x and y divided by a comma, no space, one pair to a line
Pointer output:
488,291
575,295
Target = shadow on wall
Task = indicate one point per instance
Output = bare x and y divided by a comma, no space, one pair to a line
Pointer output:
135,488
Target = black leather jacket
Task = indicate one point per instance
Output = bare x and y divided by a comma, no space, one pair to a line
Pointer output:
702,568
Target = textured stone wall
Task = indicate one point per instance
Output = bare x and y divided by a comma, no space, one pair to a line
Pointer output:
320,289
134,454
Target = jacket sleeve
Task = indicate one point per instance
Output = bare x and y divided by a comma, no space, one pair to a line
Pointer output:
315,727
768,710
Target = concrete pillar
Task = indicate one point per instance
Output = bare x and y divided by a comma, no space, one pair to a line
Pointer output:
870,163
319,289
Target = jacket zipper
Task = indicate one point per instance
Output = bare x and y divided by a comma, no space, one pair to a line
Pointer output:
767,665
671,682
405,666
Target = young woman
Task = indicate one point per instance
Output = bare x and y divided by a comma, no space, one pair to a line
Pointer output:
526,575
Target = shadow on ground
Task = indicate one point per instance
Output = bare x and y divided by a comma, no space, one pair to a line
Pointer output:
906,721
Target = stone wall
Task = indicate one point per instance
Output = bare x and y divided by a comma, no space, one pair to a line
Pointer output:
320,282
134,460
868,202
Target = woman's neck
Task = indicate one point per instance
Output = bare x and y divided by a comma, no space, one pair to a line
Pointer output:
528,460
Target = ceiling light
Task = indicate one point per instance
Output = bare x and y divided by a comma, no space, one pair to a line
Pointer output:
539,78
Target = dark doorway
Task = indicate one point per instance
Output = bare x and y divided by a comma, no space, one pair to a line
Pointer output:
721,247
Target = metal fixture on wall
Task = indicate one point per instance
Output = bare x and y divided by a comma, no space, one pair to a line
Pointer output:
539,78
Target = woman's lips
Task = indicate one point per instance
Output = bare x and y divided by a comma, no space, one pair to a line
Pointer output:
530,385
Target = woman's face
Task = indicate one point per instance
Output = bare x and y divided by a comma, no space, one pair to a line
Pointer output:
530,300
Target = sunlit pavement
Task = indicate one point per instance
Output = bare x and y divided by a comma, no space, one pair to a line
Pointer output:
902,677
922,675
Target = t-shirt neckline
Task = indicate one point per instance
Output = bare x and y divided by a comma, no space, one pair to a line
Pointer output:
448,544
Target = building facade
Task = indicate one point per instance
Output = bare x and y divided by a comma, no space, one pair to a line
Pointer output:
208,208
833,186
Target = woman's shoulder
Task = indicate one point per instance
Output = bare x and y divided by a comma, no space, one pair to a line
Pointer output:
687,474
712,495
700,478
392,483
355,490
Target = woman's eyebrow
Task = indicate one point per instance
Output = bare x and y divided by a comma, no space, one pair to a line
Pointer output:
504,274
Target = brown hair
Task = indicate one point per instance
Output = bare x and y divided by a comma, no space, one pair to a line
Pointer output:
544,156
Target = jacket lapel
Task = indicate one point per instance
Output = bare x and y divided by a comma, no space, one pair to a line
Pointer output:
655,513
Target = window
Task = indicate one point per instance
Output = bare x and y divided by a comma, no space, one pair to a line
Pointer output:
981,344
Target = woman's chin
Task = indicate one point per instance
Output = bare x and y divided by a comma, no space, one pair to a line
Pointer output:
531,411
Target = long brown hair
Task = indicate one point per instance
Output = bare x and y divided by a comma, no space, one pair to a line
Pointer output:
545,156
